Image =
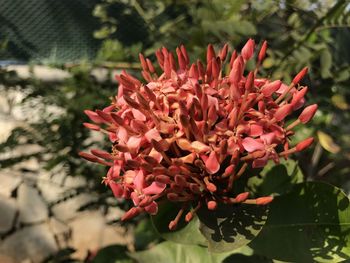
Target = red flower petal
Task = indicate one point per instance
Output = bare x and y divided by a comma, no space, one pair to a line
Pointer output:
152,208
139,181
252,145
154,189
116,189
212,163
268,138
153,134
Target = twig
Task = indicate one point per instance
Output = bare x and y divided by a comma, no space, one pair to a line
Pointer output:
326,169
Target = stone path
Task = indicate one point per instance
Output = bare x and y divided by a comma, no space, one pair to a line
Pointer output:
36,222
34,226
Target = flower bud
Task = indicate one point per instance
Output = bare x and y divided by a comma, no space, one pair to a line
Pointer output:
150,160
249,81
184,53
188,217
145,201
89,157
248,49
193,73
262,51
93,116
223,52
172,225
131,102
150,65
304,144
233,57
117,119
172,197
308,113
195,188
134,211
143,62
215,68
181,59
270,88
160,58
242,197
297,100
122,148
104,115
237,70
210,53
212,205
102,154
200,67
283,112
92,126
300,75
264,200
229,170
211,187
180,180
163,179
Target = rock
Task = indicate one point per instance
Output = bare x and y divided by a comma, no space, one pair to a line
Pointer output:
68,209
90,232
58,177
8,212
7,125
32,164
44,73
32,208
75,181
35,243
113,214
102,74
9,182
61,231
50,191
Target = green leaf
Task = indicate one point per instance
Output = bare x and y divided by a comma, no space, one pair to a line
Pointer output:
310,224
326,63
113,254
231,226
171,252
144,234
245,28
185,233
339,101
268,63
276,179
239,258
327,142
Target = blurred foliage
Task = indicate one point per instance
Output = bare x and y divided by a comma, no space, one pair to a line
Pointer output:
53,116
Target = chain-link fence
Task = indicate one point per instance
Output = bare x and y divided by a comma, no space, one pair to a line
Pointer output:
47,30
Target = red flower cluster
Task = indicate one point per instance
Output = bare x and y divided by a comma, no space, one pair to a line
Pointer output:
191,131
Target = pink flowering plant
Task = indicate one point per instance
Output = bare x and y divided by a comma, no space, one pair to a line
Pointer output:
204,148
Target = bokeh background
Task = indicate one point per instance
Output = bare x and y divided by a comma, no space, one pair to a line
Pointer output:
58,58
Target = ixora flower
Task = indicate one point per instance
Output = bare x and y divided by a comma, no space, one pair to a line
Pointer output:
189,133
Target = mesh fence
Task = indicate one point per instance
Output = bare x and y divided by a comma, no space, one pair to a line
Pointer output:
47,30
